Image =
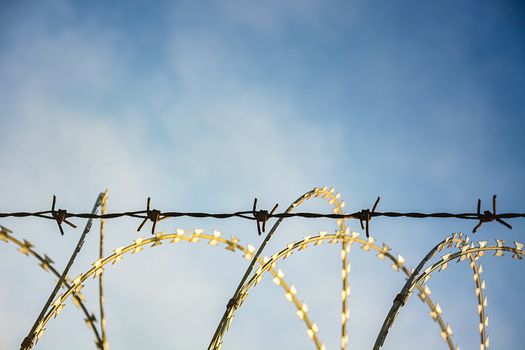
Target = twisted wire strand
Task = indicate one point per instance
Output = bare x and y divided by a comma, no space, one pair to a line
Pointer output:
418,279
247,214
46,263
139,244
155,215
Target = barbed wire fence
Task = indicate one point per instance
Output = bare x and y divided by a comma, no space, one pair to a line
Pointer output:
416,279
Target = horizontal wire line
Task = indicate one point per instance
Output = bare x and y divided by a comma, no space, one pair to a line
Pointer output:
262,216
248,215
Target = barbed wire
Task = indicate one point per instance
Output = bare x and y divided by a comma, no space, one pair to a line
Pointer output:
262,216
466,248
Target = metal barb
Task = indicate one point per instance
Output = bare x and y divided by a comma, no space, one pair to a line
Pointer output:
366,215
153,215
262,216
488,216
60,216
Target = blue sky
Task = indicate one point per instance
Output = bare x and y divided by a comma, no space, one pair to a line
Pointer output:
203,106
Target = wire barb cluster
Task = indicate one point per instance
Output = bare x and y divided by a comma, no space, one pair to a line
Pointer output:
366,216
153,215
488,216
262,216
60,216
